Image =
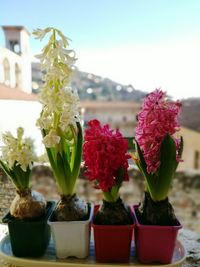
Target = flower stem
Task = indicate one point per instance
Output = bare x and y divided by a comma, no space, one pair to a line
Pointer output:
54,38
112,195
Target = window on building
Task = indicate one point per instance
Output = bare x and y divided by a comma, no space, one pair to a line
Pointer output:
6,68
124,119
15,47
17,76
196,159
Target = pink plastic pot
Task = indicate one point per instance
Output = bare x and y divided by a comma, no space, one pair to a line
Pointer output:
154,243
112,242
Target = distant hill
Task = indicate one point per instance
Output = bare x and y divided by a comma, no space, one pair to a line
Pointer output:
94,87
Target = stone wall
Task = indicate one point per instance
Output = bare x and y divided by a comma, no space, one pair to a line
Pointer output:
7,193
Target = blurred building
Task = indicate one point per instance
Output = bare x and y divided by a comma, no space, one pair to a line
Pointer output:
36,77
191,150
15,59
119,114
18,106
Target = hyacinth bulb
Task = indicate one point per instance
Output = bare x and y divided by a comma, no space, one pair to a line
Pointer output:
27,205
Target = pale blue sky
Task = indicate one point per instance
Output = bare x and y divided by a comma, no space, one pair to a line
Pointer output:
125,40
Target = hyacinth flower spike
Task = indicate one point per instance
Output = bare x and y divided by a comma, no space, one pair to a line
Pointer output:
106,161
17,161
59,122
158,152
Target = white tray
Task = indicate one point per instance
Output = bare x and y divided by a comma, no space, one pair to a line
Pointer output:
49,259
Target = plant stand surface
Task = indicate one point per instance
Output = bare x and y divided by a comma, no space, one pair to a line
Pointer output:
49,259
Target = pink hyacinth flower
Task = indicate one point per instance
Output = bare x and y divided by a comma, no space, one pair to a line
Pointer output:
157,118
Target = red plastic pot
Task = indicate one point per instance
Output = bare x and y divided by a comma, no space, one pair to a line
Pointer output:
112,242
155,243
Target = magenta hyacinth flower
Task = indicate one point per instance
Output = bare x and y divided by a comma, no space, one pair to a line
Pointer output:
158,117
104,152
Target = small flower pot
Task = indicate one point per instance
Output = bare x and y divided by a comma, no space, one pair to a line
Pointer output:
112,242
155,243
29,238
72,238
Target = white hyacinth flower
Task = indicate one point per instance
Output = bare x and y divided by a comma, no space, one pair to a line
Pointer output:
59,120
17,150
60,103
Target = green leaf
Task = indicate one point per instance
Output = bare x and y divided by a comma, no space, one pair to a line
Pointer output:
5,168
19,178
73,147
64,179
113,194
180,152
78,156
51,159
115,189
61,179
131,144
50,154
9,173
150,178
63,165
120,176
167,167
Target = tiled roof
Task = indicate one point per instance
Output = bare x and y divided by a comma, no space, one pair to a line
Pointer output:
18,28
15,94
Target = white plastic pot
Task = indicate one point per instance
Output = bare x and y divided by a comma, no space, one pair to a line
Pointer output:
72,238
